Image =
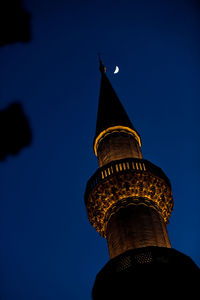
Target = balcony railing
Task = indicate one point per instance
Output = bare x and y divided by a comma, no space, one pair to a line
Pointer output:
124,165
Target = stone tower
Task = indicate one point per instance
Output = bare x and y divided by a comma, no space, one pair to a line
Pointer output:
129,202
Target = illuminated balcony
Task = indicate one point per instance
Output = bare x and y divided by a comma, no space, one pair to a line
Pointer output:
126,182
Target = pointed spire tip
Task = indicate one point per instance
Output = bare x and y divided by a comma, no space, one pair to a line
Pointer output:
102,68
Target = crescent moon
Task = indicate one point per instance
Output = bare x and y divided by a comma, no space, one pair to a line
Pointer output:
116,70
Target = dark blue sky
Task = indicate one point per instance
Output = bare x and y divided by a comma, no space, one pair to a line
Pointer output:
48,249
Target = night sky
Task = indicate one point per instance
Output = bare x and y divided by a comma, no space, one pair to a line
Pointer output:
48,249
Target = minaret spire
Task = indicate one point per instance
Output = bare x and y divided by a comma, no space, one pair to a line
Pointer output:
110,110
102,68
112,119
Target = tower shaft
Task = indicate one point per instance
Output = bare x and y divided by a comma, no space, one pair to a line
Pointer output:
118,143
135,226
134,223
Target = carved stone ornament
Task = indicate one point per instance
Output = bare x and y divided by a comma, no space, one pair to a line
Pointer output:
128,187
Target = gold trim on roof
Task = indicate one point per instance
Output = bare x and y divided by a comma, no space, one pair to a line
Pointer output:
113,129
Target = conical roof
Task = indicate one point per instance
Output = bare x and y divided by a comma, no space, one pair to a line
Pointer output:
110,110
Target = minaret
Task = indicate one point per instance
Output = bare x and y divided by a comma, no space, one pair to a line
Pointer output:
129,202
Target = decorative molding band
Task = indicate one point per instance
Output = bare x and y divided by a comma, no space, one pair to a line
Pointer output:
127,188
115,129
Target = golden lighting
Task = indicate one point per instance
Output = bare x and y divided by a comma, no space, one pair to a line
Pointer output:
127,189
113,129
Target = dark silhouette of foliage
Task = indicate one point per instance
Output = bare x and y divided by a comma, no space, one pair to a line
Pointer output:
14,22
15,132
